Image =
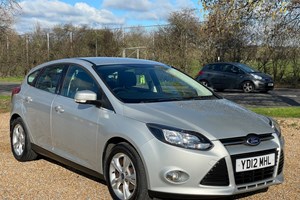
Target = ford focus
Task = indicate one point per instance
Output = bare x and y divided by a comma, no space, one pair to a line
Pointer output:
144,127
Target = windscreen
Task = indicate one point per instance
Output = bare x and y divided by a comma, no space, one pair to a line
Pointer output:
132,83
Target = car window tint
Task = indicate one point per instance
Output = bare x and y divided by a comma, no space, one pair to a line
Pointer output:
215,67
31,77
228,68
77,79
49,79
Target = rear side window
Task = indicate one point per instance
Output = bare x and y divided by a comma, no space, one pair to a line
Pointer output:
215,67
31,78
49,78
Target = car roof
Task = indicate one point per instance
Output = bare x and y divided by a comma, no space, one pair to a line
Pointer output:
232,63
111,60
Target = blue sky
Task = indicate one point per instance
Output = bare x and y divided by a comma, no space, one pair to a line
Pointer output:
97,13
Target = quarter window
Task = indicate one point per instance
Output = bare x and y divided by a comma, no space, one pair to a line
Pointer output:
31,77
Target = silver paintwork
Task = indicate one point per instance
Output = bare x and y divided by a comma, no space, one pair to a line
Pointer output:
80,132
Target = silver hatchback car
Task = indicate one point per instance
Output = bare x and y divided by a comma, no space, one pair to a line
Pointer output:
146,128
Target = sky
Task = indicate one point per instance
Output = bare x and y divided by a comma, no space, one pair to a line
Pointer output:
97,13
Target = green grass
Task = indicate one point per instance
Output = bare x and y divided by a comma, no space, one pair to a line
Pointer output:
4,103
286,112
11,79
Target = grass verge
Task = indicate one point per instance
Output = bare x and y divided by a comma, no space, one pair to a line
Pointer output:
4,103
287,112
11,79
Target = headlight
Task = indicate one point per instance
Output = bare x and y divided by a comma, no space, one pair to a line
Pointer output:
180,138
275,126
256,77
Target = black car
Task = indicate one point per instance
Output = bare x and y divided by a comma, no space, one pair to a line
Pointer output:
230,75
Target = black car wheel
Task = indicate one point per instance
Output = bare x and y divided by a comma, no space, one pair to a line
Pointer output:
248,86
20,142
125,173
204,82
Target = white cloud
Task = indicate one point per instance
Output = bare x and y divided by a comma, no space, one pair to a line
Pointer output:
48,13
159,9
131,5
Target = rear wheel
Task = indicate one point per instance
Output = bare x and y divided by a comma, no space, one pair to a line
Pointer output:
125,173
248,86
204,82
20,142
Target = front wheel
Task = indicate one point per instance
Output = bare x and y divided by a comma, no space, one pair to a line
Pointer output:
125,173
248,86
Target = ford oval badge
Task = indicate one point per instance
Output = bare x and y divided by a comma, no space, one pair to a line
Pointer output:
252,140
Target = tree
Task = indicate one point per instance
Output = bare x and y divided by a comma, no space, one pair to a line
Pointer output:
177,43
7,9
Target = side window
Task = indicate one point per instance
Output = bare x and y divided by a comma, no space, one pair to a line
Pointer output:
78,79
228,68
49,79
31,77
215,67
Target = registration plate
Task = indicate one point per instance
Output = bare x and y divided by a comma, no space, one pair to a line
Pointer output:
258,162
270,84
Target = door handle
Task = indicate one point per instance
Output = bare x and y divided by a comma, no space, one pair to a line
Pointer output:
28,99
59,109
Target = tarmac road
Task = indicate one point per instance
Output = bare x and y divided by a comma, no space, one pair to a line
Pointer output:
277,97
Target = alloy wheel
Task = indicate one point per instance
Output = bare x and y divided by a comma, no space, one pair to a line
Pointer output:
18,140
122,176
248,87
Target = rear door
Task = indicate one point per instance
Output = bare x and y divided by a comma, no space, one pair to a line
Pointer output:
38,100
216,75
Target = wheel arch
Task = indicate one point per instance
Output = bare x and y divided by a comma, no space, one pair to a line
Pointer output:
246,80
111,143
12,118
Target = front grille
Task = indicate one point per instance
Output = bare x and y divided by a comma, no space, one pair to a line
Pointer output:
217,176
281,163
242,140
253,175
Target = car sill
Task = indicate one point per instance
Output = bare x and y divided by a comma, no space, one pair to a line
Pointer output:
48,154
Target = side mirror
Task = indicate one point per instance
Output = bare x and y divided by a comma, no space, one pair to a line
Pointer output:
85,97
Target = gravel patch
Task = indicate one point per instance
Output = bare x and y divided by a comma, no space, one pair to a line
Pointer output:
46,179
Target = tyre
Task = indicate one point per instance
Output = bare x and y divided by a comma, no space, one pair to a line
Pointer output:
20,142
219,89
248,86
125,174
204,82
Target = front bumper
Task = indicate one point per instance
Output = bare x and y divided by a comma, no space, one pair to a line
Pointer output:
161,158
264,85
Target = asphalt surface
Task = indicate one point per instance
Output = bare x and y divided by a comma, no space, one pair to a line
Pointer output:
277,97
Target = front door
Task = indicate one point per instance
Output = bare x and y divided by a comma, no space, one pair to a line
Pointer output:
75,126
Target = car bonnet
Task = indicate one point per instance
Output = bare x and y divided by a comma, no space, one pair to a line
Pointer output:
216,119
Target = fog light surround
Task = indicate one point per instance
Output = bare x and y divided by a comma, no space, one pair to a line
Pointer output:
176,176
